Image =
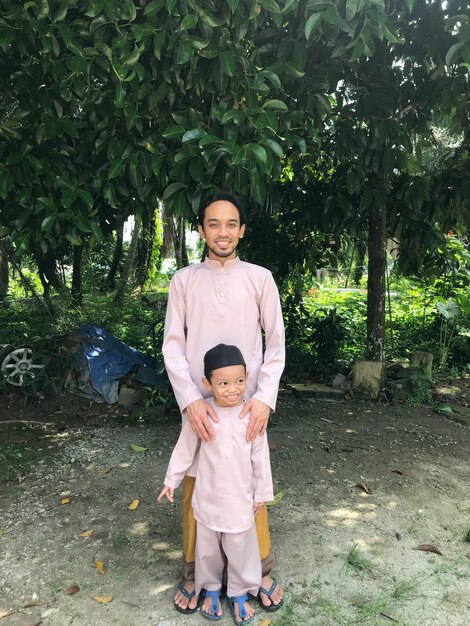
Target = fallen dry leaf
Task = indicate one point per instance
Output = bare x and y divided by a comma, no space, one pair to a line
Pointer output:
72,590
133,505
138,448
99,566
364,487
103,599
266,622
86,533
277,498
32,602
399,472
5,613
65,501
272,447
427,547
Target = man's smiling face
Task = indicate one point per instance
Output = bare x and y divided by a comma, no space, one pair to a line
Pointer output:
221,230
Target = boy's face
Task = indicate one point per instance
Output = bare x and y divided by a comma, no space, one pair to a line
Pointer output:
227,385
221,230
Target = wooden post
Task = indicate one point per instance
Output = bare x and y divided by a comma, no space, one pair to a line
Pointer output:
367,378
424,360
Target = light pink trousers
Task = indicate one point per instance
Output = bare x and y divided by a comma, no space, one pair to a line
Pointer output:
239,551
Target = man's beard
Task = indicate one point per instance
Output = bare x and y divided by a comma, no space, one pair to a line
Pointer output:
221,254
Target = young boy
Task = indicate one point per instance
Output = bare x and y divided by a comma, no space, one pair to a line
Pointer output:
233,483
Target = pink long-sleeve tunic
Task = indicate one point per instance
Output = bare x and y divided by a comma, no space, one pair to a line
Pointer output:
211,303
231,473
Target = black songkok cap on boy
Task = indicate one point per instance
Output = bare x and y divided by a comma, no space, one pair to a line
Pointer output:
222,356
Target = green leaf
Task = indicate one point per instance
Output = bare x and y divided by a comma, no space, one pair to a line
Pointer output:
271,6
274,147
185,51
233,4
153,7
227,63
272,77
115,168
311,24
444,408
210,20
68,198
48,222
451,53
275,105
277,498
22,243
258,151
81,222
138,448
208,140
188,22
43,10
195,133
172,189
48,202
96,230
86,197
6,184
173,131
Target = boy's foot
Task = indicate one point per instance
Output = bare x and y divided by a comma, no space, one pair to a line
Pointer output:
270,594
247,612
185,600
211,608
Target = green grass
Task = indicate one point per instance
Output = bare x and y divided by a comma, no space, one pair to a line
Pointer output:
356,560
406,589
466,535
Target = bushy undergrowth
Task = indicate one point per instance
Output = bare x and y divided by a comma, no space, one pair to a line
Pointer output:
325,327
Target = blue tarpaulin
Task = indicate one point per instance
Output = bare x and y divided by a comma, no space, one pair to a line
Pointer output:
108,360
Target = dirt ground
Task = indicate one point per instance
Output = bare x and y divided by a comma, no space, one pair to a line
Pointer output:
364,485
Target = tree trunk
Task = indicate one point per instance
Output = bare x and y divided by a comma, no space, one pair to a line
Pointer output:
77,275
145,249
126,270
360,260
48,273
117,255
4,274
181,253
376,285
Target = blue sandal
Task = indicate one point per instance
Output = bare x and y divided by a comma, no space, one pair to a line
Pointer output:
269,592
189,596
215,595
240,600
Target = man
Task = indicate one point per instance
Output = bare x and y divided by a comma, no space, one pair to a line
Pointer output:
223,300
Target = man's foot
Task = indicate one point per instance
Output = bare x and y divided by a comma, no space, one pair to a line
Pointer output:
241,611
270,594
211,608
185,600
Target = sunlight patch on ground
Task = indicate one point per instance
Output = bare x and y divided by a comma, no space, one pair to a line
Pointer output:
140,528
392,504
346,516
160,589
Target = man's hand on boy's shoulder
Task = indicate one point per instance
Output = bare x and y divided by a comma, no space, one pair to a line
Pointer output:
258,419
198,413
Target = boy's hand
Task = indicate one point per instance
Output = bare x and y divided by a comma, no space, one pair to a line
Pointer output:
168,492
198,413
257,506
258,419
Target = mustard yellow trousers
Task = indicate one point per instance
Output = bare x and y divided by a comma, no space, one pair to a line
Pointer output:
189,534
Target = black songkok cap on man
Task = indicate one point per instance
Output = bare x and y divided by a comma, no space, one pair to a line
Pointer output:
222,356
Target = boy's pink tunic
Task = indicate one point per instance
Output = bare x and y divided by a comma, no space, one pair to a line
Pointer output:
211,303
231,473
